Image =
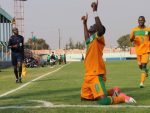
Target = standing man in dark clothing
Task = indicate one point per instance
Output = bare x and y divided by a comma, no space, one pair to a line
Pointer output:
82,59
16,43
53,59
53,56
48,59
65,59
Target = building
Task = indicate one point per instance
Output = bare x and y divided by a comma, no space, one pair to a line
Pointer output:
5,33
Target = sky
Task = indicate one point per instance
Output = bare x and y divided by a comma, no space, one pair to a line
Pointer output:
45,17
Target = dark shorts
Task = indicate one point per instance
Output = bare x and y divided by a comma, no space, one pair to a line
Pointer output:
16,57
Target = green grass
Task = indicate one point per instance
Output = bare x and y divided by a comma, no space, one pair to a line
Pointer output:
63,87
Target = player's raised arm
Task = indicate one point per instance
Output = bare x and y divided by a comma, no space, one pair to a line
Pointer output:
97,3
94,4
99,26
84,19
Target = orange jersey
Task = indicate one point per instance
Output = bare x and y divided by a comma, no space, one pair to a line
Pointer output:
141,38
94,64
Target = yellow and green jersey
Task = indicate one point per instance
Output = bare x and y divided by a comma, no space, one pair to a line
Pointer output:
141,38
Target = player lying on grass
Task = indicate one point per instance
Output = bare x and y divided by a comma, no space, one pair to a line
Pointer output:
93,87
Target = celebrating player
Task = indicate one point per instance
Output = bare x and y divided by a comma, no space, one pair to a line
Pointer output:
93,87
140,35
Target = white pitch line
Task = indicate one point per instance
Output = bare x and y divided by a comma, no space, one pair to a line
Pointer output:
76,106
24,85
51,105
46,104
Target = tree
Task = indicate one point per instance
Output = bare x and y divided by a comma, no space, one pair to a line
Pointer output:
79,45
72,45
66,47
37,44
124,42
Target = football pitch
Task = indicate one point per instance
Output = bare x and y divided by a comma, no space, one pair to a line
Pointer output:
57,90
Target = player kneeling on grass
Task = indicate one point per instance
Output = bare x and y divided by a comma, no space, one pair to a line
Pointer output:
93,87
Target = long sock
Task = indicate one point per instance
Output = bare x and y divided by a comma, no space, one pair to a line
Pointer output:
118,99
20,71
105,101
16,72
143,77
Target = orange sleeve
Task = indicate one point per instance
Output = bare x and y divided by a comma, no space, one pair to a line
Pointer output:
132,34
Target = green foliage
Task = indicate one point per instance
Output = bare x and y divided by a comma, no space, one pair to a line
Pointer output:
36,44
124,42
72,45
79,45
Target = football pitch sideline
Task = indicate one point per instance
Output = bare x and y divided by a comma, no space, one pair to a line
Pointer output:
57,90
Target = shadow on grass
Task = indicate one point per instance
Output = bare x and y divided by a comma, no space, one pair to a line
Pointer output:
72,95
139,94
130,89
43,93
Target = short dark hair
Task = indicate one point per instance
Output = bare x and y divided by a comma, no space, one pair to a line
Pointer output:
14,29
101,31
142,17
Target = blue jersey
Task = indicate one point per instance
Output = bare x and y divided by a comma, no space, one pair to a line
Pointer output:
16,40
